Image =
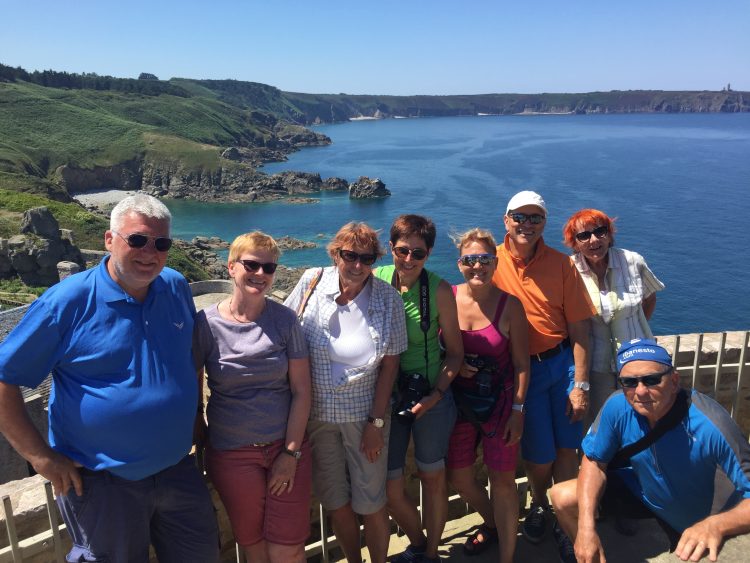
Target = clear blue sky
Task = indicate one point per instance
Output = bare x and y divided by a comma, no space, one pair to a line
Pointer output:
392,47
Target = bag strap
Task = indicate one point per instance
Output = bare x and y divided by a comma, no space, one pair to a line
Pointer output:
308,293
674,416
424,307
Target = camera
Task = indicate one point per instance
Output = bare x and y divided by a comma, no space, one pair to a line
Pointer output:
486,368
412,388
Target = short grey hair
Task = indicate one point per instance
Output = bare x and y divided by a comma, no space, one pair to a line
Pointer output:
139,204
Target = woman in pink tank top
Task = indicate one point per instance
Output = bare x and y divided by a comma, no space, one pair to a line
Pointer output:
495,332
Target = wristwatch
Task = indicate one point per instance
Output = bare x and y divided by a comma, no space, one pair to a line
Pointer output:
517,407
296,454
376,422
582,385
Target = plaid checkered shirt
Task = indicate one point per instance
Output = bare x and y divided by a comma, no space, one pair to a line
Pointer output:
348,399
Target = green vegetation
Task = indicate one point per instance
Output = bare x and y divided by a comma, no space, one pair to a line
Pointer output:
88,228
51,120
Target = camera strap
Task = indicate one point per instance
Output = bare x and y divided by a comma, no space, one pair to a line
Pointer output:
677,412
424,308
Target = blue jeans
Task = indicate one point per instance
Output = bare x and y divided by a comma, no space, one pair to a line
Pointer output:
431,433
115,520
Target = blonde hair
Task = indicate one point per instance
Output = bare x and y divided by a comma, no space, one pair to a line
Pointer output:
355,234
253,241
482,236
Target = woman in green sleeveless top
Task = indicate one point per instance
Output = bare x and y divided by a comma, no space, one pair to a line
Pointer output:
423,403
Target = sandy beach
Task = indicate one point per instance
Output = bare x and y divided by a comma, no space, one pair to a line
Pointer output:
103,199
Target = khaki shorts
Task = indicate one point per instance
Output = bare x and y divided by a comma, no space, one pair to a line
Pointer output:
341,472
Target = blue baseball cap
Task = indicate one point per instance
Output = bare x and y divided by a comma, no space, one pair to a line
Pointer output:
645,349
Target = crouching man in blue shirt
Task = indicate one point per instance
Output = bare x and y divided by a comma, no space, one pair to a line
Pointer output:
117,339
694,478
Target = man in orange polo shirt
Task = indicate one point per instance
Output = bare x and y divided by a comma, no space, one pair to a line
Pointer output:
558,309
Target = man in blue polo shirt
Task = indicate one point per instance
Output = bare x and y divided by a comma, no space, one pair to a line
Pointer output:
117,339
694,478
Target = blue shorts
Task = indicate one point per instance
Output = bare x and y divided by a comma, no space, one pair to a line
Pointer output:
431,433
115,520
547,428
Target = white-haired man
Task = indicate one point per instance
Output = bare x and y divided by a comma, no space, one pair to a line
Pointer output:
657,450
117,340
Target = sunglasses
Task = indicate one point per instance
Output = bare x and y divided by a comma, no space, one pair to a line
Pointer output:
416,253
648,380
533,218
253,266
162,244
351,256
471,259
599,232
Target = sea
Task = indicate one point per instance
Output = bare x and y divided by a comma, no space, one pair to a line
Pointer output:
678,184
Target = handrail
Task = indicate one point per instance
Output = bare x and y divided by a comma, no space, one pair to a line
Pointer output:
52,540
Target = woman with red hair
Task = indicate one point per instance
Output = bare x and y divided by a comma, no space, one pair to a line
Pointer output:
623,290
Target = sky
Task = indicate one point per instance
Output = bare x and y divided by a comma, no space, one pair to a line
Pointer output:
400,47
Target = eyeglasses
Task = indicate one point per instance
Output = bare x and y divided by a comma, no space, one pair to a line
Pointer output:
599,232
253,266
533,218
648,380
136,240
471,259
364,259
416,253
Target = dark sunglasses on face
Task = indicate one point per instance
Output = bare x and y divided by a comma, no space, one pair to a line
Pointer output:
364,259
471,259
599,232
162,244
416,253
252,266
533,218
648,380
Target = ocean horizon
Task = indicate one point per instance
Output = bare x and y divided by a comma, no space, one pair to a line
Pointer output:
678,184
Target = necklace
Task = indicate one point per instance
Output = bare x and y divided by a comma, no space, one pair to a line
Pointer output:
232,313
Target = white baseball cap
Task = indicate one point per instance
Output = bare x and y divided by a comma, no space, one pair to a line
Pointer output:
526,197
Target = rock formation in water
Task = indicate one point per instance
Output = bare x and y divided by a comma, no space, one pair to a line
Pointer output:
366,188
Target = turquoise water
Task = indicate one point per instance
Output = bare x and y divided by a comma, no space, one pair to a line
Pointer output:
678,184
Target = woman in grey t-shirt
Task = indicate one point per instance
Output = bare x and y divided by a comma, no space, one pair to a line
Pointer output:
255,358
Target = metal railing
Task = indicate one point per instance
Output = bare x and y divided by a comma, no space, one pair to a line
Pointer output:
50,540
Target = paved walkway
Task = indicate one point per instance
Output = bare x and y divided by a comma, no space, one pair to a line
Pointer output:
649,545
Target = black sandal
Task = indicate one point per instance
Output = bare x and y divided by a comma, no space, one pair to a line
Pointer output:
475,546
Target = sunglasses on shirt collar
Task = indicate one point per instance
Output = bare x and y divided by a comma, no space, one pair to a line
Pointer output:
648,380
137,240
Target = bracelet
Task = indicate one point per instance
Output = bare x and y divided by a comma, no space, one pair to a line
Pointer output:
517,407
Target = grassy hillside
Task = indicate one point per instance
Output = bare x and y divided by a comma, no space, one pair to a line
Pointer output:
88,228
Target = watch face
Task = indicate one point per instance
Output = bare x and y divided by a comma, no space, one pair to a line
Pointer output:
376,422
583,385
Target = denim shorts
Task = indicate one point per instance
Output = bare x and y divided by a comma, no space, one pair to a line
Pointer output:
546,427
431,434
115,519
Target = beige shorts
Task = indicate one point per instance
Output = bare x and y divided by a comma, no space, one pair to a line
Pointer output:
341,472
